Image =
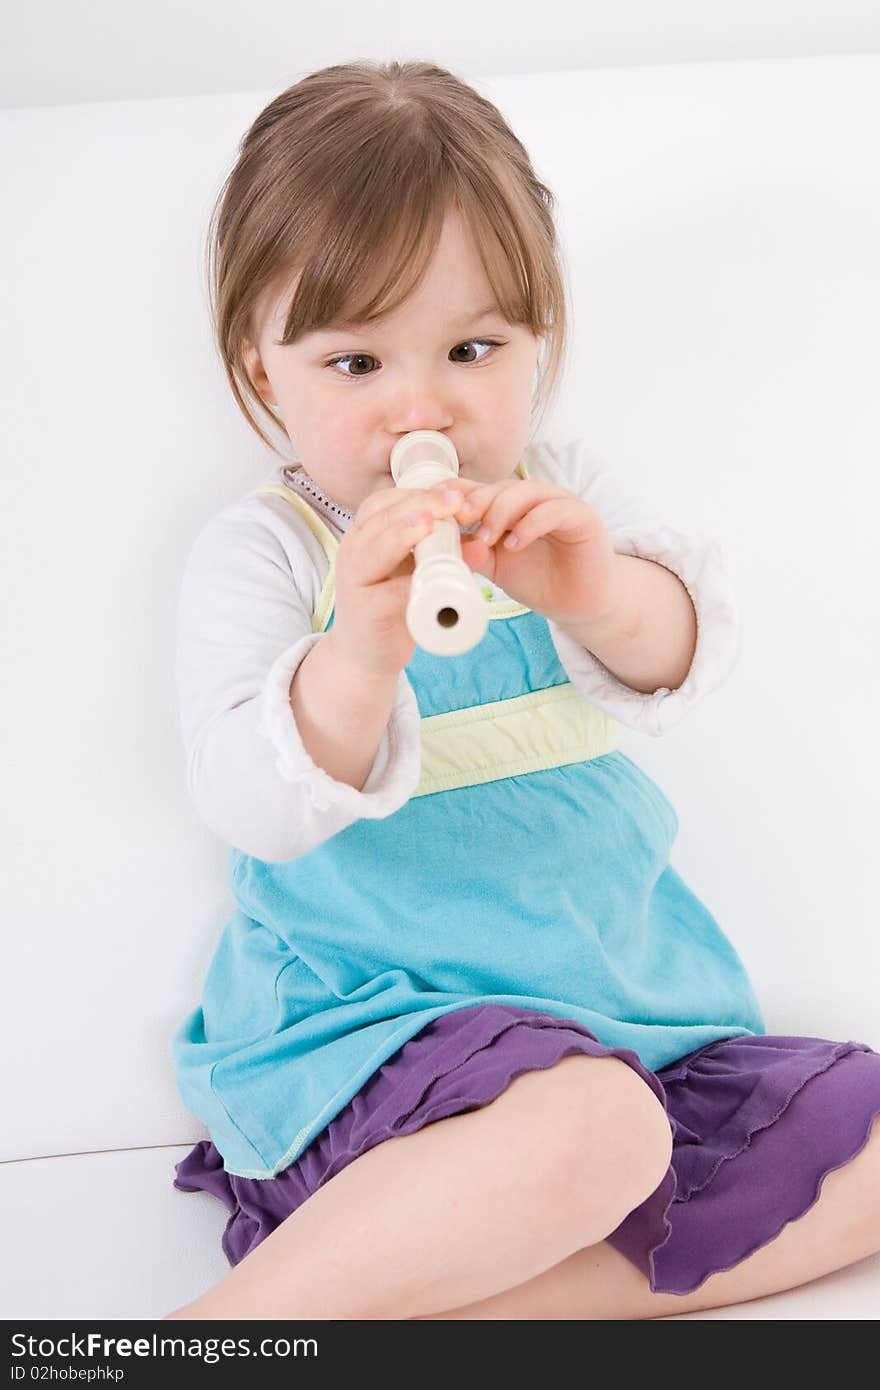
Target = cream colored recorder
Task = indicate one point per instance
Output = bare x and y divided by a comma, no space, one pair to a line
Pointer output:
446,613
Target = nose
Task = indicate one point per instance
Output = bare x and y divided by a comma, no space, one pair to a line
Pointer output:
420,404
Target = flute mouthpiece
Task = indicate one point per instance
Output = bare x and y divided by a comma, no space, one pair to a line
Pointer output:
423,454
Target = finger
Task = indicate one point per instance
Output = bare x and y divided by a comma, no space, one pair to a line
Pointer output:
477,497
383,498
556,517
387,537
505,509
374,503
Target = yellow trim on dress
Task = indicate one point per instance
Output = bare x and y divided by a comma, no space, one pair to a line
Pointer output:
506,738
321,615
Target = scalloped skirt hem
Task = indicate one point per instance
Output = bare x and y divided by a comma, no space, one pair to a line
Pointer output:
757,1122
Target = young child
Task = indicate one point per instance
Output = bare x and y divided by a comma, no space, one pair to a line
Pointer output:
452,887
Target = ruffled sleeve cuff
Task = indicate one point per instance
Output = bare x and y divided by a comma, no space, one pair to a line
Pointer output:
699,565
396,768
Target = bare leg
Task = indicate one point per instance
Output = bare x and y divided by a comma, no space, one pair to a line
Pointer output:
841,1227
466,1206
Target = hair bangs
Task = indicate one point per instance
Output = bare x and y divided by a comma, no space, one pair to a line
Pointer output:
367,262
503,246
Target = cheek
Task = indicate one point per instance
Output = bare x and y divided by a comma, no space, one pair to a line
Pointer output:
339,428
514,397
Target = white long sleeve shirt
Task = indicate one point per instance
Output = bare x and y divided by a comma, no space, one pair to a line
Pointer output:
250,585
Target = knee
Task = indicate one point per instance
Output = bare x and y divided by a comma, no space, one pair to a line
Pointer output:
617,1137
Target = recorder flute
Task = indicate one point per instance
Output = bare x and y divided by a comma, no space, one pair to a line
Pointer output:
446,613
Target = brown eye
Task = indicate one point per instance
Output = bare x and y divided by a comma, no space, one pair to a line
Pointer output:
479,342
358,357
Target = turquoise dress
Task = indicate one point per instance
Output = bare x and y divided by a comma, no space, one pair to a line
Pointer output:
529,867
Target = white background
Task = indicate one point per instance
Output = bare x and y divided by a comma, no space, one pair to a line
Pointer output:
61,51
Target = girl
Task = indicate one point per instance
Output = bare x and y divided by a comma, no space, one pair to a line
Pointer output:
452,887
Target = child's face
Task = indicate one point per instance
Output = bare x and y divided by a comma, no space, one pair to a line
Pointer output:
422,368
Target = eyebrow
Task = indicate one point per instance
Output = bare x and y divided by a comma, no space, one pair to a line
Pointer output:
463,322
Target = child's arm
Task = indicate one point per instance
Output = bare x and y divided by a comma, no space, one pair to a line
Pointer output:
694,579
341,718
650,640
243,631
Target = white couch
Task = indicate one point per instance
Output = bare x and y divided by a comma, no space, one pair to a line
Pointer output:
721,224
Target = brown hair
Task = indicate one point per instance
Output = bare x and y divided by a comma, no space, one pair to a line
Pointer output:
353,168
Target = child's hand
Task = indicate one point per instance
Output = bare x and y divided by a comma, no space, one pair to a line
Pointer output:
374,569
564,566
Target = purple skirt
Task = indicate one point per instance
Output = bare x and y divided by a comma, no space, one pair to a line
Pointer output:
757,1122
